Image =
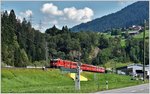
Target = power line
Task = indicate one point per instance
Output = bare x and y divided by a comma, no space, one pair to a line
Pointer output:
31,19
46,47
24,36
46,52
2,10
40,25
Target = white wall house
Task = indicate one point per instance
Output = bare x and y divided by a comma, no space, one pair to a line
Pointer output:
134,69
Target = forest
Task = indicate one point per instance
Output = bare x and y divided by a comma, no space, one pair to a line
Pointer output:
22,45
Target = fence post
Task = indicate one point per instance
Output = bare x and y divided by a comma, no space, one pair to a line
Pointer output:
106,84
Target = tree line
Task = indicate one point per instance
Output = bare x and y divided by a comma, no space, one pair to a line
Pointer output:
23,45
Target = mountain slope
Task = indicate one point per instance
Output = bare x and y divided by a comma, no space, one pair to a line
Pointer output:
130,15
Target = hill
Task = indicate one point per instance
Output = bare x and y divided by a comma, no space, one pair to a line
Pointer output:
24,46
21,80
133,14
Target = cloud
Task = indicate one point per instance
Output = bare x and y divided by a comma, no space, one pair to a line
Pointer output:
79,15
19,18
68,14
27,13
55,22
49,8
36,26
125,2
8,12
24,14
121,2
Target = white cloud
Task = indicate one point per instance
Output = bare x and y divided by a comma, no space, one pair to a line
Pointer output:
36,26
124,3
19,17
24,14
8,12
27,13
49,8
79,15
55,22
68,14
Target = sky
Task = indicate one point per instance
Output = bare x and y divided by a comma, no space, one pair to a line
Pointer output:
62,13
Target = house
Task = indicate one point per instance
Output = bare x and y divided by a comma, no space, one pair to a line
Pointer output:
122,70
136,27
133,32
134,70
137,69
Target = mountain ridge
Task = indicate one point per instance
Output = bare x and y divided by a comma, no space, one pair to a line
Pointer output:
133,14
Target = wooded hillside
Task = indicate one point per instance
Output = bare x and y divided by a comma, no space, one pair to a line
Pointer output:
22,45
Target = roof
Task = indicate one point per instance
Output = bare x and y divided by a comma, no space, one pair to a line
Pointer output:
124,67
131,32
140,65
136,66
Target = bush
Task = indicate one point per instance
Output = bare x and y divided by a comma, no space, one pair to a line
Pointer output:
40,63
3,64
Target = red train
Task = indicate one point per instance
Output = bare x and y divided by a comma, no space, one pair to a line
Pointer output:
57,63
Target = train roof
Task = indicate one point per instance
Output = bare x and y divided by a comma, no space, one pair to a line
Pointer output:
55,59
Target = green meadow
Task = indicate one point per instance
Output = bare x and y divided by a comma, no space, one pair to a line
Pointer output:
55,81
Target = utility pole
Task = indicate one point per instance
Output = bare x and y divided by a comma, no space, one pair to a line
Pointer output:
144,50
46,52
77,83
114,67
2,10
98,83
96,79
30,19
77,80
40,25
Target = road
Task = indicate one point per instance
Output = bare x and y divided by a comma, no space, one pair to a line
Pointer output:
144,88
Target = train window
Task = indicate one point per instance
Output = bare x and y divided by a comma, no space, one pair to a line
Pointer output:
74,63
54,61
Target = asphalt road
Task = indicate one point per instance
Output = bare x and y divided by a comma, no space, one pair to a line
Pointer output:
144,88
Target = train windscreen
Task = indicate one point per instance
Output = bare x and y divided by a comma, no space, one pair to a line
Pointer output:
53,62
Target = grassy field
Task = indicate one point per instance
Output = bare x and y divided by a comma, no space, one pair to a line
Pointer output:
54,81
111,64
123,43
141,34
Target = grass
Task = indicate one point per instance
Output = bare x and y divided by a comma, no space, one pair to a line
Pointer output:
123,43
111,64
54,81
107,35
141,35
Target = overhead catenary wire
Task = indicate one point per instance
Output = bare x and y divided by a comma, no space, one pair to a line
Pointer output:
40,25
24,36
46,48
31,19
